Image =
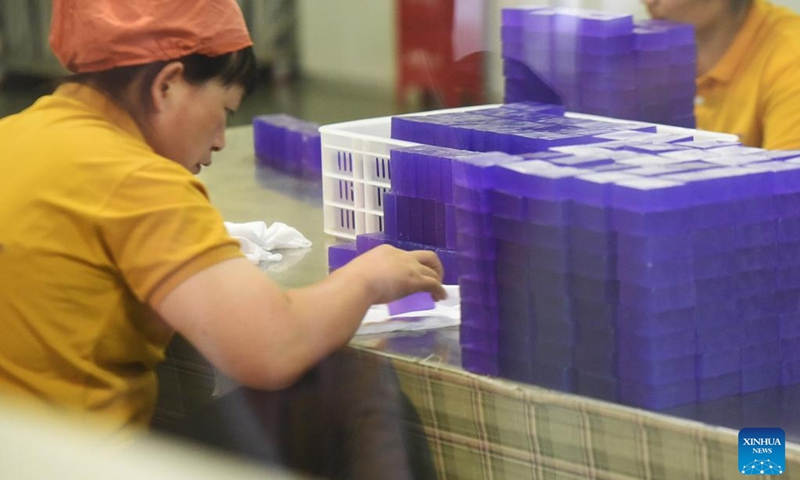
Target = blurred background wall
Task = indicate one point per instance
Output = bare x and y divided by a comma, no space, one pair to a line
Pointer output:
338,42
344,42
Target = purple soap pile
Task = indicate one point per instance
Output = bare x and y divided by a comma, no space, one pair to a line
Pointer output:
288,144
601,63
418,210
611,259
515,128
652,279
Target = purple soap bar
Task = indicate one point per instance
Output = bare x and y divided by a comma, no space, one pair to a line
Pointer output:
604,24
651,38
514,15
648,194
412,303
339,255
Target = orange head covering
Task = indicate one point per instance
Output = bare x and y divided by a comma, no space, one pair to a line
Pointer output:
95,35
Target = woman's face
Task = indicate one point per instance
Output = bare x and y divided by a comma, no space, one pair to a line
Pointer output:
699,13
191,123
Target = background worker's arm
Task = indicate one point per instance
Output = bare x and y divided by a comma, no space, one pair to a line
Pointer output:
265,337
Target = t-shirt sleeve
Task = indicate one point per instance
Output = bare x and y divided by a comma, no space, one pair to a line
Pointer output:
160,228
782,108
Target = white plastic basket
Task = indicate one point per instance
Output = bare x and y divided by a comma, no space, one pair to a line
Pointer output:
356,170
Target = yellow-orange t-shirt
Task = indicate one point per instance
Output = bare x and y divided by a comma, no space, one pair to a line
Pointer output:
94,229
754,90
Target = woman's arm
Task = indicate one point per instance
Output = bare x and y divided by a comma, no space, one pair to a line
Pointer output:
265,337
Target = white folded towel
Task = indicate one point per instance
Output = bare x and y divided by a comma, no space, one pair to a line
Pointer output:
257,240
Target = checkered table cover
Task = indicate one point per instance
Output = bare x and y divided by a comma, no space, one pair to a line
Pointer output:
485,428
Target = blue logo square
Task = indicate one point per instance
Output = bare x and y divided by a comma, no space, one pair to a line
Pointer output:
762,451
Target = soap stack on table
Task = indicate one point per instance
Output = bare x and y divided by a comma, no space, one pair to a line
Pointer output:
611,260
288,144
600,63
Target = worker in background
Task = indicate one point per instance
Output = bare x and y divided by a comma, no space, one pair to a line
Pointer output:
109,244
748,67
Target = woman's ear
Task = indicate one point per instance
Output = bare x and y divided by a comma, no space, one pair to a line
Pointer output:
167,85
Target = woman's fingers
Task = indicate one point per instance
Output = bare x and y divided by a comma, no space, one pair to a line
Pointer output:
431,260
395,273
437,290
431,269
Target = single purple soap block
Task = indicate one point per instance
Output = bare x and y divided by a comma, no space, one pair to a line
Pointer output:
604,24
433,178
412,303
403,215
449,259
535,179
595,188
447,180
651,38
680,34
404,172
539,20
514,15
390,214
339,255
367,241
648,194
474,171
416,218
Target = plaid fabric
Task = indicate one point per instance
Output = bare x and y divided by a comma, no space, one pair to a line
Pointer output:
482,428
186,383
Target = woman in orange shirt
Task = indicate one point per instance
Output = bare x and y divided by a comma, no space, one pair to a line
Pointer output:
109,243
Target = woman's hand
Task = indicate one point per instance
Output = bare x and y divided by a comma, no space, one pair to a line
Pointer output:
392,273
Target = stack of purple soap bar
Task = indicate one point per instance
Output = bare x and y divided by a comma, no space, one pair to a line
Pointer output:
644,271
480,314
288,144
601,63
514,128
419,212
666,68
626,264
607,259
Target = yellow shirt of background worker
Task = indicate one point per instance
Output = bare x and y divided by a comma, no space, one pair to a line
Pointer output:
118,228
748,67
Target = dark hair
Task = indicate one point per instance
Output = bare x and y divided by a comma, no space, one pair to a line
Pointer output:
235,68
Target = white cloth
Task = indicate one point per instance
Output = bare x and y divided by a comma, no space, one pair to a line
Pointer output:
257,240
